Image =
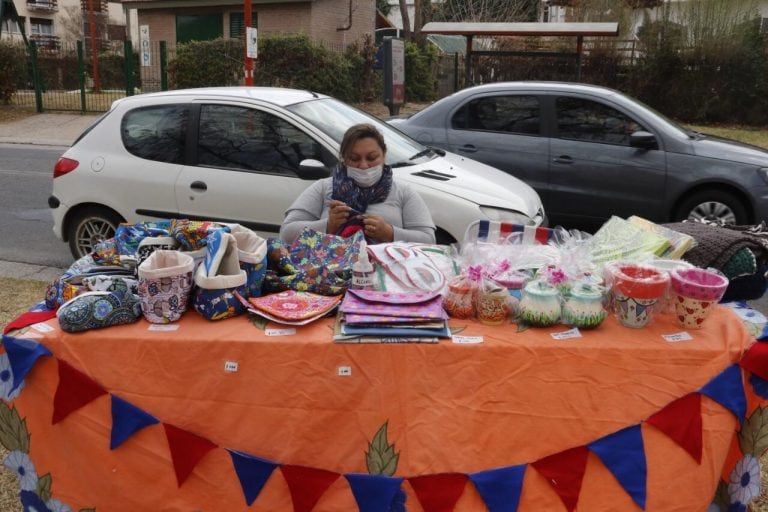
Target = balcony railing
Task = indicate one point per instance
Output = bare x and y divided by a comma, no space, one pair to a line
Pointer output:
45,41
43,5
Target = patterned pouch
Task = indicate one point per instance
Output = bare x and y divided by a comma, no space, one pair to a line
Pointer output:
316,262
192,234
94,310
165,282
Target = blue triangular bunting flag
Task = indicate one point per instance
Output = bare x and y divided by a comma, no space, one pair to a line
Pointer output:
500,488
127,419
253,472
22,355
624,455
727,389
373,493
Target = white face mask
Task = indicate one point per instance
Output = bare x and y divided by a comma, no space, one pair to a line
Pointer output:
366,177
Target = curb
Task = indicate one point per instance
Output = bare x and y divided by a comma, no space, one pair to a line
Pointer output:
15,270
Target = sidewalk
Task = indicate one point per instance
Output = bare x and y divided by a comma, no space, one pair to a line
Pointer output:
46,129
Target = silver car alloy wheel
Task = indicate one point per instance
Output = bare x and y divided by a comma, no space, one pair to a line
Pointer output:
91,231
713,212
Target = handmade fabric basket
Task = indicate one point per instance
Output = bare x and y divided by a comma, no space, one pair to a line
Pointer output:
218,277
252,255
165,282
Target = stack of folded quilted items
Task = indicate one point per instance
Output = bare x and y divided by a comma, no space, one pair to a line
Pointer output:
376,316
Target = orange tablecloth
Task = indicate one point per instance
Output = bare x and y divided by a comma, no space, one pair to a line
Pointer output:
513,399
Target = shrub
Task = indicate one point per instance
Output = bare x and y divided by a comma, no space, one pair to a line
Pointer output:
294,61
207,63
13,64
420,72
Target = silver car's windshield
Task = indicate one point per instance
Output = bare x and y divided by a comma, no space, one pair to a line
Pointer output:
333,117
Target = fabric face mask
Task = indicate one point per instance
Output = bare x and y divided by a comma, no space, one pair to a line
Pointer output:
366,177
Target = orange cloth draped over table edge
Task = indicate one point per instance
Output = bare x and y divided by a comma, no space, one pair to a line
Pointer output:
516,398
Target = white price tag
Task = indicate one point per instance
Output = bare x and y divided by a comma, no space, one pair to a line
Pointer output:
41,327
467,340
163,327
289,331
344,371
566,335
678,336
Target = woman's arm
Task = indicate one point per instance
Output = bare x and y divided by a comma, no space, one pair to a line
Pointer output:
306,211
417,221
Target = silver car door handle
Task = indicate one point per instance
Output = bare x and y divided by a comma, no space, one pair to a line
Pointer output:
468,148
563,159
199,185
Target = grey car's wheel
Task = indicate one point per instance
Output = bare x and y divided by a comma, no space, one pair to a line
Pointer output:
717,206
89,227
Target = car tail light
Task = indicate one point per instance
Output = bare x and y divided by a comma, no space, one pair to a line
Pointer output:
63,166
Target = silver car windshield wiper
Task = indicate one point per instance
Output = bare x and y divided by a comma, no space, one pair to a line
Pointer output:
423,152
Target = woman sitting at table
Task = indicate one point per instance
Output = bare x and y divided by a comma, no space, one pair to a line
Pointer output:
361,195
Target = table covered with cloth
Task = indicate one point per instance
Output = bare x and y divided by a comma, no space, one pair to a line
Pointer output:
219,415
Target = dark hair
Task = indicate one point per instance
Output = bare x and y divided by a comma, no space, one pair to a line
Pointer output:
358,132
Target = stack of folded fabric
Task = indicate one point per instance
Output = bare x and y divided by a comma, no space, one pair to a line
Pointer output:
382,317
293,308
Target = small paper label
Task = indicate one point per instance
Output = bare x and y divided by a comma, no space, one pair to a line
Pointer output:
41,327
281,332
467,340
344,371
678,336
230,366
566,335
163,327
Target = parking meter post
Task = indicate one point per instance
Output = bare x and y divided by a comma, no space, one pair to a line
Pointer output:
394,74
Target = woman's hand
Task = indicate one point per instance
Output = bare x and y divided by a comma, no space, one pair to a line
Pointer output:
376,228
338,214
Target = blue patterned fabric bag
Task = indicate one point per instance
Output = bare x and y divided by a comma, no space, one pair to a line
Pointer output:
218,277
95,310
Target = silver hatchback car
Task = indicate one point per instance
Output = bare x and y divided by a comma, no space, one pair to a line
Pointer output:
592,152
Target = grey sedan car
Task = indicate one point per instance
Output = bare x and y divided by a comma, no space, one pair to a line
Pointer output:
592,152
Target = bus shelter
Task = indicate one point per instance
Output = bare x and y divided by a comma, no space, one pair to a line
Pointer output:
471,30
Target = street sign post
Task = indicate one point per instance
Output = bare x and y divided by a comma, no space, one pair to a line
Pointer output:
394,74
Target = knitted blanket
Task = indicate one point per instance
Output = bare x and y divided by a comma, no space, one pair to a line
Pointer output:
715,246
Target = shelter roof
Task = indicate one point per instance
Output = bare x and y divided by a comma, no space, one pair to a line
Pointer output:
521,29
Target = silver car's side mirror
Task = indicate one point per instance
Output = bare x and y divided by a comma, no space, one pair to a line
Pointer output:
643,140
311,169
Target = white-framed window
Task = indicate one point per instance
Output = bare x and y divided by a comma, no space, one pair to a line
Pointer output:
41,26
12,27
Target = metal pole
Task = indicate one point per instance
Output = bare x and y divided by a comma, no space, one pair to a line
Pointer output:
468,64
128,55
81,74
94,53
248,60
579,42
163,66
455,71
36,76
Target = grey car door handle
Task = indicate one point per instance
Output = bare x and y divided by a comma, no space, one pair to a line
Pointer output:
198,185
468,148
563,159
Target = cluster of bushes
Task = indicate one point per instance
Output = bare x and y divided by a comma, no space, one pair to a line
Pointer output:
297,62
13,66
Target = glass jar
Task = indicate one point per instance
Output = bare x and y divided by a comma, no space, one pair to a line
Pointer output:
540,304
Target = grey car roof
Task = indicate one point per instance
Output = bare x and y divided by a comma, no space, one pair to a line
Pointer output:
275,95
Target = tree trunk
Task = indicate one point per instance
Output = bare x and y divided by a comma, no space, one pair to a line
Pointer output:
418,22
406,20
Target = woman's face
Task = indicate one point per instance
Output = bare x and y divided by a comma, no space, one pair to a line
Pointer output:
365,153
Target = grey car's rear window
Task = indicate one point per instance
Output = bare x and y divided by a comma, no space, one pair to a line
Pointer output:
156,133
509,114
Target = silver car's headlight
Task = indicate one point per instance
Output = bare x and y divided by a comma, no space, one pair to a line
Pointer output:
501,214
763,172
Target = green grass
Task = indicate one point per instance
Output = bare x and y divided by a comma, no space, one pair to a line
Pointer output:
757,136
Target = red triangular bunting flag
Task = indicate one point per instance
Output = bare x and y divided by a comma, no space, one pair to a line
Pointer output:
186,450
29,318
565,471
756,360
681,421
74,391
307,485
439,493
